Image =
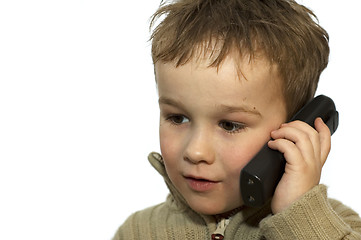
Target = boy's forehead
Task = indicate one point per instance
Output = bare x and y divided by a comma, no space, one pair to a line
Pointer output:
257,74
257,88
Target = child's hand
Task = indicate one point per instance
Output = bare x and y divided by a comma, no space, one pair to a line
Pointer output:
305,150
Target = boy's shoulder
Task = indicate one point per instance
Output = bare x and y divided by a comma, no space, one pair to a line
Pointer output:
167,220
314,214
138,224
149,214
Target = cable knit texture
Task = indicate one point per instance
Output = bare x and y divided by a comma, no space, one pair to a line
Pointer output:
314,216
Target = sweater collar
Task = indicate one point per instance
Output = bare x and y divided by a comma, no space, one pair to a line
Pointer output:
156,160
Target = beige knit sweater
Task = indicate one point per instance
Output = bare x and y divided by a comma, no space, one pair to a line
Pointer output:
314,216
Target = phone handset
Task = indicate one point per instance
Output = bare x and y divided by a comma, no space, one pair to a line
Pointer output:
259,178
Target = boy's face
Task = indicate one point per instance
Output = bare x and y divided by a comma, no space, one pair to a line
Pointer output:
212,123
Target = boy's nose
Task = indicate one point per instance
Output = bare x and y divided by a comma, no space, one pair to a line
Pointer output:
199,147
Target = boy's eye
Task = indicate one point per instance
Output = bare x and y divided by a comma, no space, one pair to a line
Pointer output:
178,119
231,127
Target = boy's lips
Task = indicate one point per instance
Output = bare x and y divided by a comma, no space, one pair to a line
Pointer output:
200,184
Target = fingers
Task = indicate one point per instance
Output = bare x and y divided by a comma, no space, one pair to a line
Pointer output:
288,149
298,139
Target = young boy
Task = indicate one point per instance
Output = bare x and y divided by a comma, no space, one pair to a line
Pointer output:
229,74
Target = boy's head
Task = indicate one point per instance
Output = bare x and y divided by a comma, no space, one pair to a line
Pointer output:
282,31
228,73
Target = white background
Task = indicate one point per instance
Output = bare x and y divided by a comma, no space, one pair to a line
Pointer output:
79,114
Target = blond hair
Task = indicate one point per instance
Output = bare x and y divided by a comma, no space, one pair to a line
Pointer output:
286,33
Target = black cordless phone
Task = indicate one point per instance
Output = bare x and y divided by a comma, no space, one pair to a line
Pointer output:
259,178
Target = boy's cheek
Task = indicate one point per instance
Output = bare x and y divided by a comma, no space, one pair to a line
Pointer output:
241,151
169,143
236,160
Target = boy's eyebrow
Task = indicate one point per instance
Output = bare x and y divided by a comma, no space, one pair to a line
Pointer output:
168,101
241,108
221,107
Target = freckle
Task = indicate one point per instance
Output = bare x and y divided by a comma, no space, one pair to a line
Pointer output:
254,108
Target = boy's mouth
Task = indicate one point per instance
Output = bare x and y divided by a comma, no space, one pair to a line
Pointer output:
200,184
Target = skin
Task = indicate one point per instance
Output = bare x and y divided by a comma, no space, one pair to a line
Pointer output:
213,121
